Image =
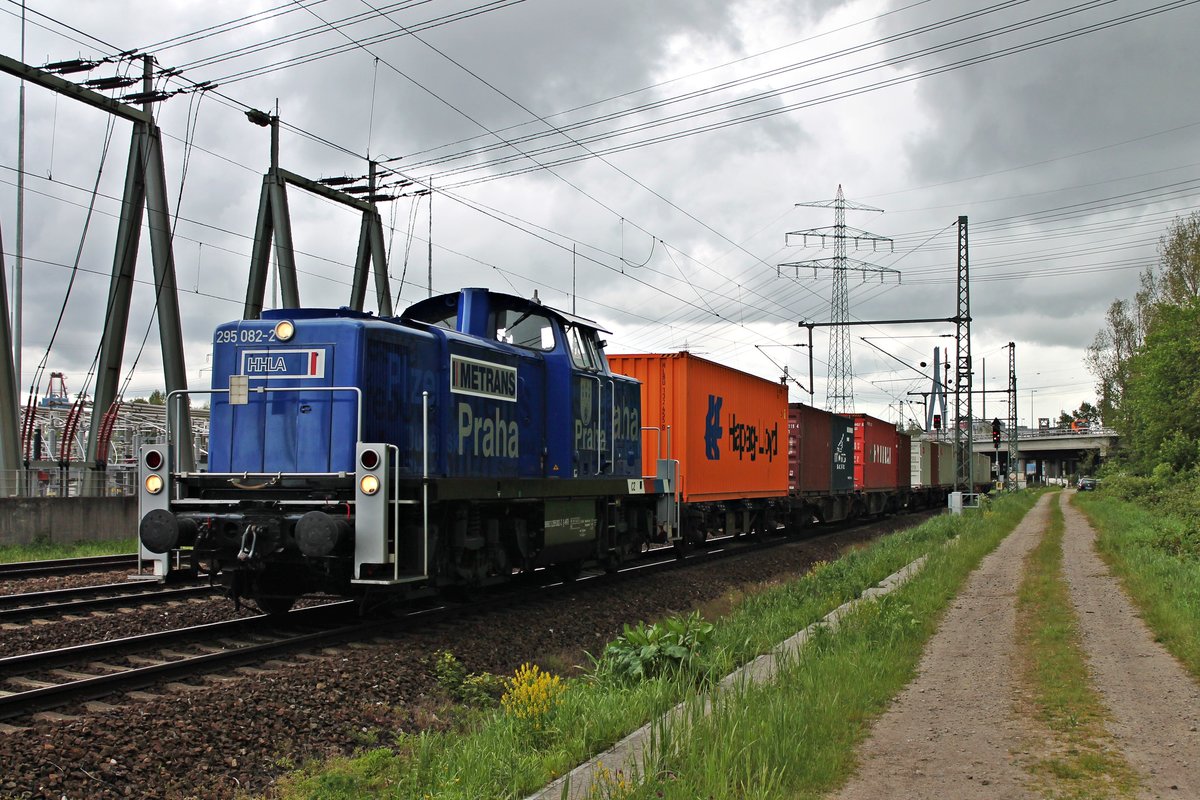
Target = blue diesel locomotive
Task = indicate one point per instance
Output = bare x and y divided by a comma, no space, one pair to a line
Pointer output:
475,436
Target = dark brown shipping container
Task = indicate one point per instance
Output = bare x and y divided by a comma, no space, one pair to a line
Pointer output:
875,457
820,451
903,460
727,427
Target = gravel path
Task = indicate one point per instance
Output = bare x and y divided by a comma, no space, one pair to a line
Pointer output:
953,732
1155,704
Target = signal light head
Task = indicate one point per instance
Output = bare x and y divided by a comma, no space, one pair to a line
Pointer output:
154,484
369,484
154,459
369,459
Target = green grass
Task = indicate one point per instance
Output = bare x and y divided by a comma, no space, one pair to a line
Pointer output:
799,735
1157,558
45,550
1078,760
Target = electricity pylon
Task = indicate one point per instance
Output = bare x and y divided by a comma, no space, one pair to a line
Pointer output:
839,391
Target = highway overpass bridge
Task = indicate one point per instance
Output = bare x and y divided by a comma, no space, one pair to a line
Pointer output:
1051,455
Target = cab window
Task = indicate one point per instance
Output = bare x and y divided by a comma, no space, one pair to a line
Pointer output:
584,349
523,328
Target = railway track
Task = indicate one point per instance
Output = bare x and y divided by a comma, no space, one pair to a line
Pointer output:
83,599
67,566
39,681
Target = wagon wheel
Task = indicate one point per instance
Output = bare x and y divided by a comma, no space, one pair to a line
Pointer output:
275,604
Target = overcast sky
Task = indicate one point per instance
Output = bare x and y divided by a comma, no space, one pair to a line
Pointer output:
667,142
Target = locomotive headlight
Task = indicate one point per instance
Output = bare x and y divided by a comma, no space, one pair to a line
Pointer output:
154,484
369,484
284,330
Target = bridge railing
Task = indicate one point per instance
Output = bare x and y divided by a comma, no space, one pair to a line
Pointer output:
1066,433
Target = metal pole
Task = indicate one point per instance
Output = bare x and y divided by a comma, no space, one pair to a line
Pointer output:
10,453
811,399
19,266
431,237
964,463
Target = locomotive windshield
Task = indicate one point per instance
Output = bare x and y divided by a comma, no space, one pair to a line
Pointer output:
523,328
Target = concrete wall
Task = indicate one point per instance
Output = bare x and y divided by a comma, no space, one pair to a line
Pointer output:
66,519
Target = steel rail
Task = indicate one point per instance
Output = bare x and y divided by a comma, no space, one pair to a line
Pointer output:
66,566
86,598
37,699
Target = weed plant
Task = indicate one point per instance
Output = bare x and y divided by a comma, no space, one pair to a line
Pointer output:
647,651
1156,555
42,549
790,739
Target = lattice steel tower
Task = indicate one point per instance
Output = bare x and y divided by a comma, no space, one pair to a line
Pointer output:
839,390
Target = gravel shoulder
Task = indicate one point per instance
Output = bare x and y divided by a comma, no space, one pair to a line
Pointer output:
953,732
1153,702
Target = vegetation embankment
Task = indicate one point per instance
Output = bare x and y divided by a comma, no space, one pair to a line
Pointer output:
1148,531
44,550
795,737
1078,757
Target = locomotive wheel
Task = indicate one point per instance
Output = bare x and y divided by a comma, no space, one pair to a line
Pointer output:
275,604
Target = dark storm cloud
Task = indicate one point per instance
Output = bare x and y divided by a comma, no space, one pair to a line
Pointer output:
1064,98
553,56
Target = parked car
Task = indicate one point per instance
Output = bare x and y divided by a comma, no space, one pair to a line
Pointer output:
1088,484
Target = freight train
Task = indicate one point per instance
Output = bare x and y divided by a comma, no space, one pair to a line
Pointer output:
479,436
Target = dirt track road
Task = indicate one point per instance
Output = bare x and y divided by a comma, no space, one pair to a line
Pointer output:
955,731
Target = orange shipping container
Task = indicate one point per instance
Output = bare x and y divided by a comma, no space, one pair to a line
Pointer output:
728,429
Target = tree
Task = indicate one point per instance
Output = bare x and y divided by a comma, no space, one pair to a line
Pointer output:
156,398
1179,250
1108,357
1145,357
1086,412
1159,409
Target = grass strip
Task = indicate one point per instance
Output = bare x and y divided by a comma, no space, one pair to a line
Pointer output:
1077,758
43,550
1156,556
495,755
797,737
